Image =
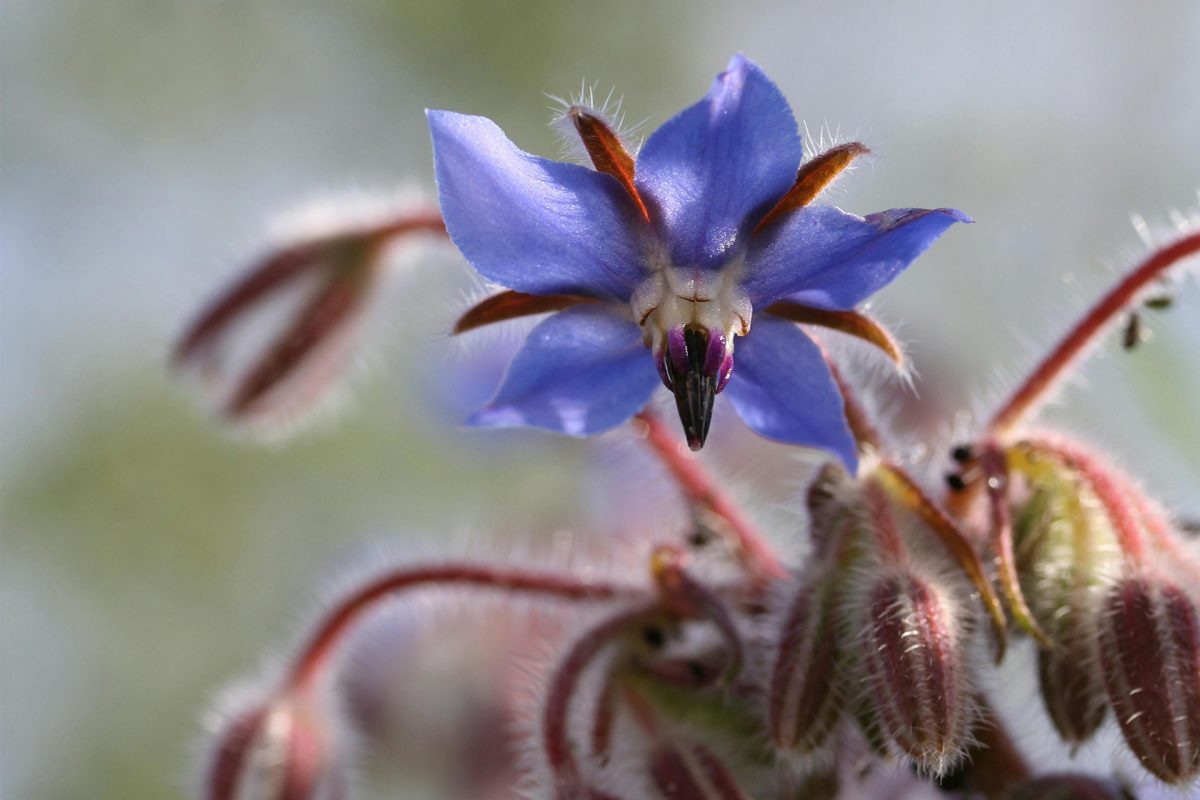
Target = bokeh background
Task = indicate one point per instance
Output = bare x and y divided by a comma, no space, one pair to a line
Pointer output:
148,557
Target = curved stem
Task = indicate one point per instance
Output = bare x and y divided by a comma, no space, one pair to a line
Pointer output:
555,739
1045,376
700,488
345,614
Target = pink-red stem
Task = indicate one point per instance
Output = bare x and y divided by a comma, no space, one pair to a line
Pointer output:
700,488
1026,399
555,737
342,618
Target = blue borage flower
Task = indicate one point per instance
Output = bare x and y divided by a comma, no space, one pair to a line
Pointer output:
678,251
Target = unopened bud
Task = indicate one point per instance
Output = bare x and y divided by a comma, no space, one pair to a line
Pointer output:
283,751
1150,654
804,698
913,655
1067,555
270,376
692,772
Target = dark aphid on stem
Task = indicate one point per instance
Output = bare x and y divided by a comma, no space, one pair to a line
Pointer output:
1132,334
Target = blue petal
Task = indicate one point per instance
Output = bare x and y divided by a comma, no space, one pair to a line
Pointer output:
582,371
530,224
716,167
782,389
822,256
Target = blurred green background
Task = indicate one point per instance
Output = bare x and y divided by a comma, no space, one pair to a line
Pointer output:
147,557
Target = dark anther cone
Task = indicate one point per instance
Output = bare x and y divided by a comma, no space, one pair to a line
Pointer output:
694,390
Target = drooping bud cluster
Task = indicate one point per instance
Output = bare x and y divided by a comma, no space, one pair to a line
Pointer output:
874,633
781,674
1105,577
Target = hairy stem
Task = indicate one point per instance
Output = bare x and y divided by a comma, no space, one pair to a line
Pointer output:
1029,396
333,628
555,737
701,488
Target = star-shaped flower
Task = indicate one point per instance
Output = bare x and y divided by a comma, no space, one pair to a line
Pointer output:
709,230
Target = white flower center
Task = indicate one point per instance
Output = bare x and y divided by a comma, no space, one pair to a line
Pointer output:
676,297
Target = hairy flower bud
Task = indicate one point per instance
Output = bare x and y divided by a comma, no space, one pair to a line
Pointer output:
804,697
1067,555
285,750
913,657
326,276
1150,653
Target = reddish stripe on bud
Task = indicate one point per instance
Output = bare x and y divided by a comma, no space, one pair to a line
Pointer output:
1150,652
513,305
913,655
272,273
607,152
812,177
803,702
692,773
556,742
852,323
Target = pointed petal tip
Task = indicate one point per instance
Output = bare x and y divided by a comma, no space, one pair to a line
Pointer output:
956,215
